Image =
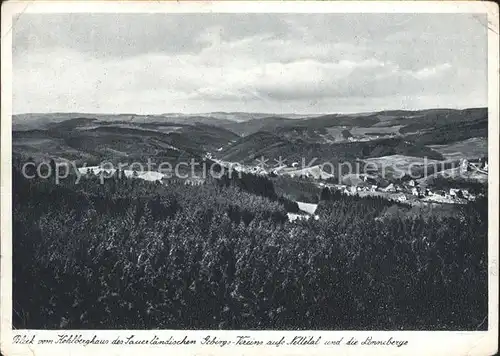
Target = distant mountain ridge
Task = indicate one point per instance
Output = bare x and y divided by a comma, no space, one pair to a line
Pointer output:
331,136
237,119
343,137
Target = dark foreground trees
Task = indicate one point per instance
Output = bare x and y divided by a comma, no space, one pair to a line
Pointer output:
133,254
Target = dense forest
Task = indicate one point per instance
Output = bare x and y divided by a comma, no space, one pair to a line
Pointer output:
135,254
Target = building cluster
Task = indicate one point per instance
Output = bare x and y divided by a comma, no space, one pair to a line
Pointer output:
185,181
407,191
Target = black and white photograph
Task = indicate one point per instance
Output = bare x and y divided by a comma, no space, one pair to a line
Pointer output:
257,171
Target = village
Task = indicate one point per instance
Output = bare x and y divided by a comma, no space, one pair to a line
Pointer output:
406,190
418,191
410,192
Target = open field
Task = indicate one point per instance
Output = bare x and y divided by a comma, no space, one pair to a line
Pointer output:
475,147
400,164
315,172
308,207
374,130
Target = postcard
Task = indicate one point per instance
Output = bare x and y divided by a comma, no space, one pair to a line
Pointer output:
249,178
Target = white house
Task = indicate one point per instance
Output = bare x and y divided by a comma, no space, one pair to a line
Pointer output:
401,198
389,188
464,165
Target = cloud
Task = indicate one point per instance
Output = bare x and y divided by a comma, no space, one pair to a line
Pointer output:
265,62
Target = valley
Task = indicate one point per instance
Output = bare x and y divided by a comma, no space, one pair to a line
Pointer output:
217,203
335,151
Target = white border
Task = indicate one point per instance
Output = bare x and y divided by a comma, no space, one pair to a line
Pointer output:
428,343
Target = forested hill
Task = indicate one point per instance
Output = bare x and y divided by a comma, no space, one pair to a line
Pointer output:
406,120
132,254
271,146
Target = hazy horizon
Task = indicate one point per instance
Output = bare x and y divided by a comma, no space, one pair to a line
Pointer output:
246,112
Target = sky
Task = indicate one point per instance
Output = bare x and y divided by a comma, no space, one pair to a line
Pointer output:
273,63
